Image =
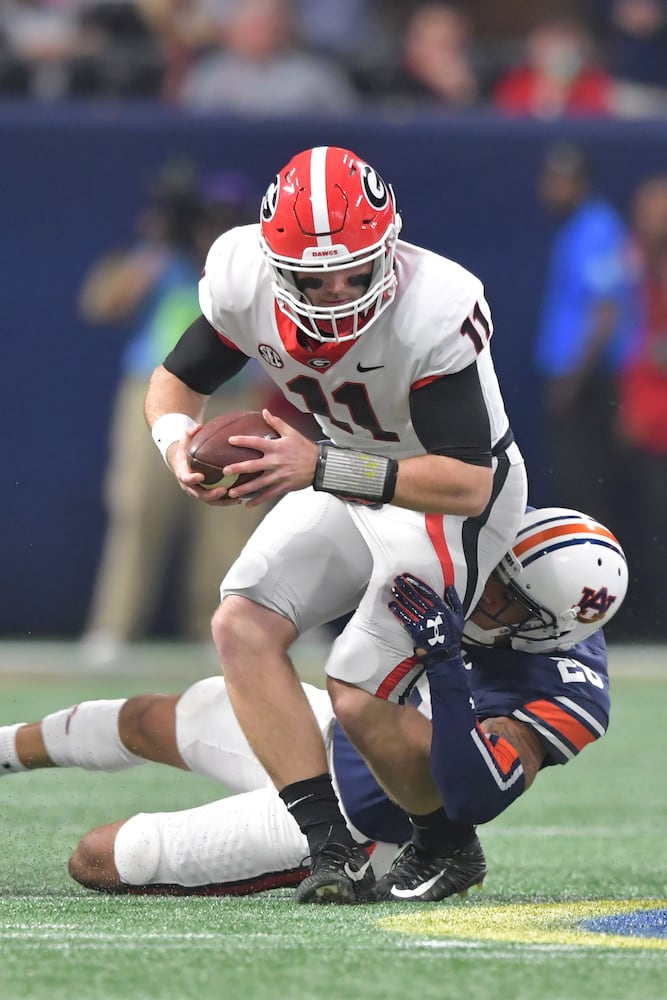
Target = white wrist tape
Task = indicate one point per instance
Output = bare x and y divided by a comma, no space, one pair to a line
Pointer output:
9,759
168,428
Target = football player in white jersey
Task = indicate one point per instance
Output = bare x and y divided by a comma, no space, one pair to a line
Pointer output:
388,345
536,705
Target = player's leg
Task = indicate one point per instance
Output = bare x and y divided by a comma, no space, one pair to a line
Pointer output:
402,763
196,731
86,735
279,725
211,741
242,844
373,655
92,863
373,652
253,643
101,735
305,565
480,769
372,668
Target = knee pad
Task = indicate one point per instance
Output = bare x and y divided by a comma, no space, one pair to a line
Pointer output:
136,850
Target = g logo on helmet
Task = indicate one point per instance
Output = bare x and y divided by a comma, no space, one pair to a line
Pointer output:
374,188
270,199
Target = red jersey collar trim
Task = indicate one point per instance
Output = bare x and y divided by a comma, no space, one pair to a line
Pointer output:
288,332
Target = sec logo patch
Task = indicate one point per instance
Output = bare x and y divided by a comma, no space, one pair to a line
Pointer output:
270,355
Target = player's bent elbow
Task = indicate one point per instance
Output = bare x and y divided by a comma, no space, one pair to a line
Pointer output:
478,505
481,798
480,494
471,496
469,502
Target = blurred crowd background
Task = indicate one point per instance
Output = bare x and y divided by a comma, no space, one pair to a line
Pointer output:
526,140
600,57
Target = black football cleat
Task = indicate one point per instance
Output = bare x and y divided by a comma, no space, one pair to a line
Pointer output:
338,874
417,877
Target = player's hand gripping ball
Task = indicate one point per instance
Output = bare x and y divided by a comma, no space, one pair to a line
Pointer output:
210,450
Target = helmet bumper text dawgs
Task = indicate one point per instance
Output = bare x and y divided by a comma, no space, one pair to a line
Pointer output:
569,570
327,210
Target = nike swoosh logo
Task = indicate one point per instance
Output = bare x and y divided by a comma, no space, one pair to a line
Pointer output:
304,798
356,876
371,368
420,889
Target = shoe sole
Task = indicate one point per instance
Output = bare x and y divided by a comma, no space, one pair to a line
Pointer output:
464,892
326,892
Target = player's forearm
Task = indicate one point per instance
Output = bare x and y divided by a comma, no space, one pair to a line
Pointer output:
440,485
167,394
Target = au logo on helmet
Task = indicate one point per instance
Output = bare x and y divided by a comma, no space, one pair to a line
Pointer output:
596,601
569,570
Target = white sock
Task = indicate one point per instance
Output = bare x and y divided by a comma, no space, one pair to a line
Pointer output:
9,761
86,735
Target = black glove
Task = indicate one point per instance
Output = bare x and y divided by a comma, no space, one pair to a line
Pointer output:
436,625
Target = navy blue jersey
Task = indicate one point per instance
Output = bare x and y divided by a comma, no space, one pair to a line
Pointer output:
563,697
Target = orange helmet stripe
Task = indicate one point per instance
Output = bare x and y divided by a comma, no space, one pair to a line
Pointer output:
557,531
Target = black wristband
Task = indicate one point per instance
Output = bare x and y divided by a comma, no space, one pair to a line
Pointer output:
438,658
346,472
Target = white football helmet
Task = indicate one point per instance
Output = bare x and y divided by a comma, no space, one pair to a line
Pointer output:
329,210
571,574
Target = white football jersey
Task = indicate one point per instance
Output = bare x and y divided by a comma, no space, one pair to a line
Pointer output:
359,390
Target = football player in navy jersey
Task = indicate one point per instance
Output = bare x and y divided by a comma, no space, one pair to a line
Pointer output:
388,345
530,690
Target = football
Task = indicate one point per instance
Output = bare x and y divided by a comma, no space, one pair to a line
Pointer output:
210,450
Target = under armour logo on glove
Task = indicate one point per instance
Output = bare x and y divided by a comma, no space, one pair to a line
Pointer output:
436,625
437,637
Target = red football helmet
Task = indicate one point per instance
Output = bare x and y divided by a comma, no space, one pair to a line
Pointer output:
328,210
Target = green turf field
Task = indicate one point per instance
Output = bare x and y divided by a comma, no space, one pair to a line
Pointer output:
587,841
